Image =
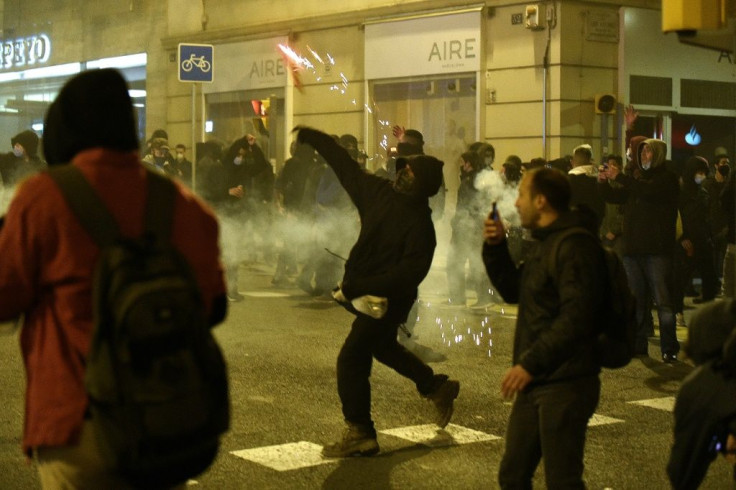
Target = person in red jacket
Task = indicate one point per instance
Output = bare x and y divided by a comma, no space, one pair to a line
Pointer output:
47,262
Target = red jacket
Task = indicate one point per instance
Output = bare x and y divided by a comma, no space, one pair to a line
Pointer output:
46,266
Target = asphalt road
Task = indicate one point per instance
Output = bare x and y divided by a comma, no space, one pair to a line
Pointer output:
281,346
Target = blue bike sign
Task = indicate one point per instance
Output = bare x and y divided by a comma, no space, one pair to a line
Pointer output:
196,62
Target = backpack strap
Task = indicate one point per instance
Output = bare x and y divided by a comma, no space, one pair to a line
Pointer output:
86,204
554,248
97,220
160,200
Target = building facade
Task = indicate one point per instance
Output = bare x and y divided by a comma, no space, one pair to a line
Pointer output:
526,78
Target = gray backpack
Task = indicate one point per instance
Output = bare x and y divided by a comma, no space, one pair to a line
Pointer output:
155,377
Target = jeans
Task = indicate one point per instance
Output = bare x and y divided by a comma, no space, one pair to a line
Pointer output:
367,339
651,275
549,421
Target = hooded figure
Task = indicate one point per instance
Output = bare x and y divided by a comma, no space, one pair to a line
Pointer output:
106,118
705,408
28,140
48,268
650,203
658,150
20,162
391,257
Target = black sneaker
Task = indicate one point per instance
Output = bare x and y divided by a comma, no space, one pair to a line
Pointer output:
669,358
357,440
444,399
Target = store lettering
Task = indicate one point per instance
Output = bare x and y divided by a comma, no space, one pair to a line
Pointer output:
455,49
727,56
31,50
267,68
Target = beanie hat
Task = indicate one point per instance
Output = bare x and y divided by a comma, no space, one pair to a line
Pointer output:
427,172
93,109
160,133
28,140
415,135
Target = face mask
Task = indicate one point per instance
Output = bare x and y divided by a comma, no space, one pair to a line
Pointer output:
699,178
179,157
238,161
18,152
628,154
646,166
724,170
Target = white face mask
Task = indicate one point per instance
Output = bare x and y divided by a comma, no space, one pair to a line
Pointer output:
18,152
179,157
699,178
646,166
238,160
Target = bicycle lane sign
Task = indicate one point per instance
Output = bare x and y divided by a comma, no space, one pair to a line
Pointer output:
196,62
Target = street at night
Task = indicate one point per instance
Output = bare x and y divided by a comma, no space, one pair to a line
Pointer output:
281,346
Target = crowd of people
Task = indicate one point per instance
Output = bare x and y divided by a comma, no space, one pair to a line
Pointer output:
367,240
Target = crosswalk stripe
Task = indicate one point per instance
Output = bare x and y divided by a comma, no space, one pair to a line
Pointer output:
597,420
285,457
431,435
666,403
303,454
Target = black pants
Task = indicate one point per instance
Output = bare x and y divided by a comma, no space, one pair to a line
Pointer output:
371,338
549,421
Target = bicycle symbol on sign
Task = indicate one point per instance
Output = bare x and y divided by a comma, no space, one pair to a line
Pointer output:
193,61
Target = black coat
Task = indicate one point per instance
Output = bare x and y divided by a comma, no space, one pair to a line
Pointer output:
396,243
650,209
558,310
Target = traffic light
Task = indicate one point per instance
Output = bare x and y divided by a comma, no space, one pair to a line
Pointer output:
694,15
605,104
261,108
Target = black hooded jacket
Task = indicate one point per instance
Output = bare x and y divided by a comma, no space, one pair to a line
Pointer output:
558,310
396,244
14,169
650,204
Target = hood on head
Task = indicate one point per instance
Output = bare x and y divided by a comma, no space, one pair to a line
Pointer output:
659,152
427,172
28,140
92,110
692,166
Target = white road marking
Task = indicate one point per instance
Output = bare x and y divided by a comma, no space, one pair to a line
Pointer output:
286,457
265,294
431,435
597,419
667,403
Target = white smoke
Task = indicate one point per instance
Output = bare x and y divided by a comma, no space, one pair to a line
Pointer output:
494,188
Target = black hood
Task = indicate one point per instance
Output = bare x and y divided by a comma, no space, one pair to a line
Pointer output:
92,110
28,140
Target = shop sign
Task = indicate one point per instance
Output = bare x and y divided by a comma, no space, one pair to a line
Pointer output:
249,65
25,51
425,46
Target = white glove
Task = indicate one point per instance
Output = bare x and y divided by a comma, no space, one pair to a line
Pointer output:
339,297
373,306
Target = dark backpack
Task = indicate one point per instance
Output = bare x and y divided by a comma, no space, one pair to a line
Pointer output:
155,377
616,340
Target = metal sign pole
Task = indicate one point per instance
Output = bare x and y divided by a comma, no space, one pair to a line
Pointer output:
194,140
